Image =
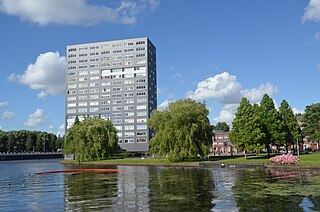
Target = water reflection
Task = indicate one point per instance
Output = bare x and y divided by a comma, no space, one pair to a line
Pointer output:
180,189
144,188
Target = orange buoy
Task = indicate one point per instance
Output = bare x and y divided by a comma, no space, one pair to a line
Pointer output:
83,170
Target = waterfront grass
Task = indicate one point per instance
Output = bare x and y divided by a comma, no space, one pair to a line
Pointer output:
305,159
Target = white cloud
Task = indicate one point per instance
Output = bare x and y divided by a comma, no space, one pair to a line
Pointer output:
163,105
223,86
42,95
0,127
4,104
7,115
228,91
48,74
61,130
76,12
317,36
312,11
227,114
36,119
254,95
177,75
296,111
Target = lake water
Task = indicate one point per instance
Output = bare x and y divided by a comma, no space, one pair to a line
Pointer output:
144,188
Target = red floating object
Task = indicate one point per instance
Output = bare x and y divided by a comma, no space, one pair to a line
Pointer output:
83,170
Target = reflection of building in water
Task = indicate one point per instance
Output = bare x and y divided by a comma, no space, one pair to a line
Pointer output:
133,189
224,181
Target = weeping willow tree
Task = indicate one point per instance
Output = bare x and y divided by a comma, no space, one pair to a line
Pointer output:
181,131
90,140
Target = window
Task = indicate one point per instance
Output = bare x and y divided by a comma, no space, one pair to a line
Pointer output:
105,116
129,88
71,111
140,42
116,114
72,98
94,109
141,94
116,83
105,83
94,97
119,134
143,113
72,92
71,105
72,86
117,95
94,78
140,55
141,120
106,102
116,89
83,79
141,127
117,108
118,127
104,90
95,90
94,103
104,109
128,134
141,80
83,85
82,104
94,84
129,127
141,87
141,133
117,102
82,110
141,140
83,91
116,121
128,94
129,101
127,82
140,48
129,114
128,140
141,107
105,96
141,100
129,121
82,97
130,107
138,62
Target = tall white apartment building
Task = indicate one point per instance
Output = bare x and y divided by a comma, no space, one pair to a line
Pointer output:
114,80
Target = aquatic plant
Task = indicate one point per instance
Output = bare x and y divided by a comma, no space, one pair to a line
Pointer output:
285,159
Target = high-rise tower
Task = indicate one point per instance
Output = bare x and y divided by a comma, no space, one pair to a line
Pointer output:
114,80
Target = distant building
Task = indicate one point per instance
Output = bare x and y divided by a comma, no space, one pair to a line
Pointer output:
114,80
306,142
222,143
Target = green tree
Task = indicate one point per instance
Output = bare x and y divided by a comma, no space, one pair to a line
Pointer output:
181,131
246,130
222,126
311,122
290,125
272,125
92,139
3,141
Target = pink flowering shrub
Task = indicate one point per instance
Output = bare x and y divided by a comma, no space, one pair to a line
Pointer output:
285,159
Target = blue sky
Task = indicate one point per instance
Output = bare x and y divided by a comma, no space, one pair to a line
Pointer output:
215,51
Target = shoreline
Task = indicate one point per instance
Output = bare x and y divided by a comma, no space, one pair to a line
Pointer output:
204,164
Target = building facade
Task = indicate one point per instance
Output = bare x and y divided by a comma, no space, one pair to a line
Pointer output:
222,144
114,80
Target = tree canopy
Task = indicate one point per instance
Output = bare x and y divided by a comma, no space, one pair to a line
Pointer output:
311,122
29,141
91,139
181,131
291,128
246,130
222,126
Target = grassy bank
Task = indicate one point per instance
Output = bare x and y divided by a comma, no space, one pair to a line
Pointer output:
306,159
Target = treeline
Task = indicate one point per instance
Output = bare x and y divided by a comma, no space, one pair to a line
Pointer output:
29,141
256,127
